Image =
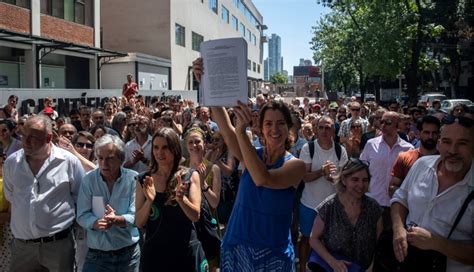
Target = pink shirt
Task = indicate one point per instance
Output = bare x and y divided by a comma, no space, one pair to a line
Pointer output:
381,158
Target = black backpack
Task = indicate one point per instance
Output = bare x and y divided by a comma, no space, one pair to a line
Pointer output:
337,148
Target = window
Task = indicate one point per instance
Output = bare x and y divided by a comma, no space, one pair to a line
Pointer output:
254,66
249,35
225,14
258,68
236,3
179,35
235,23
254,39
249,64
20,3
197,40
242,29
69,10
242,6
79,10
213,5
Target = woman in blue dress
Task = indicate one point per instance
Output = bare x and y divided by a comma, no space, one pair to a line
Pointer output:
258,234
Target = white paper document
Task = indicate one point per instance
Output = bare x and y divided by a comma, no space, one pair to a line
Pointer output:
225,72
98,207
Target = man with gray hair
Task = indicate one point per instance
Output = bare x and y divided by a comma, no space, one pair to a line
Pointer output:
41,181
106,210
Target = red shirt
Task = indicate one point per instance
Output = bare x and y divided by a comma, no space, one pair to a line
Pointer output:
129,90
404,162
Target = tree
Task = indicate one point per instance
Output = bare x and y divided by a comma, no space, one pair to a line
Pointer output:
386,38
278,78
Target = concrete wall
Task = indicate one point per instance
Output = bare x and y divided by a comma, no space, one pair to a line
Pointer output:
136,26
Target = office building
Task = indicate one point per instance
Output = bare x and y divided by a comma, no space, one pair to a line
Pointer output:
170,31
275,60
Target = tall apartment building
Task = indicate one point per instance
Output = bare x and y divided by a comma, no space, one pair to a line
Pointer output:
275,60
172,30
50,44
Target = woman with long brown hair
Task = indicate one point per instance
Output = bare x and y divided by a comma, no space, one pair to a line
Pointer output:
168,201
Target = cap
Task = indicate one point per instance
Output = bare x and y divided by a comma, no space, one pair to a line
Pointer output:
316,107
48,110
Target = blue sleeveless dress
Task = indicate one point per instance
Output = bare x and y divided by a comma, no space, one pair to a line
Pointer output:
258,235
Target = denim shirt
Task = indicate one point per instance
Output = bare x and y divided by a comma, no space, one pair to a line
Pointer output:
122,200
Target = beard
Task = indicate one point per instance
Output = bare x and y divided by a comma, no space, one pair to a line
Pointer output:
428,144
453,166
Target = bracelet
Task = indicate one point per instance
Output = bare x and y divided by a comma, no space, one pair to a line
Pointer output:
206,189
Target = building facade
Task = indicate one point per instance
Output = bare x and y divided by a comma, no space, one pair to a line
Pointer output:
50,44
173,30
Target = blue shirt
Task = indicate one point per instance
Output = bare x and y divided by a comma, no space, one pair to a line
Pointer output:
262,216
122,201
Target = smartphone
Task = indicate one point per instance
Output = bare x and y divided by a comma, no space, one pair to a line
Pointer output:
186,178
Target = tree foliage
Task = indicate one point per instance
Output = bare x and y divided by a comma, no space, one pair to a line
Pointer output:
278,78
361,40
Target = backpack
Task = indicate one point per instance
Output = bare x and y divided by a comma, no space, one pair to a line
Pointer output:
337,148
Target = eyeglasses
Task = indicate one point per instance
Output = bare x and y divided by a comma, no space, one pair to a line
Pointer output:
84,145
355,109
387,122
463,121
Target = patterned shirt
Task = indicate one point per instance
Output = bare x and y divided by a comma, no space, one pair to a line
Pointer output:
346,126
340,236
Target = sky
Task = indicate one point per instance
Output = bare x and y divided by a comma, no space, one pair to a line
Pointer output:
292,20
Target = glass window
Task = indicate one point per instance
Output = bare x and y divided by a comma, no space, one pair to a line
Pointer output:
249,35
79,9
213,5
242,29
235,23
197,40
225,14
254,66
258,68
249,64
57,8
236,3
179,35
20,3
242,6
254,39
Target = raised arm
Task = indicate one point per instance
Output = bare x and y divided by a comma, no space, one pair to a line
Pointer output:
290,174
220,116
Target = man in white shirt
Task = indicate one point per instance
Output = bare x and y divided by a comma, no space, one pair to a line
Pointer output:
41,181
138,150
431,197
318,185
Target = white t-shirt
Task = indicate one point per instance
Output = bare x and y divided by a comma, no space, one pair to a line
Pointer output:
318,190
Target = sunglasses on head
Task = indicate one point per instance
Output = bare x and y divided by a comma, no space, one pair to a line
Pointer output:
84,145
355,161
387,122
463,121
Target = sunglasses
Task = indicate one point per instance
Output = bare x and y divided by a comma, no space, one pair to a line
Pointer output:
463,121
387,122
356,109
84,145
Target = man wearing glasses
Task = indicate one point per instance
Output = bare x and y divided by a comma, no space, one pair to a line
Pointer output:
431,199
345,129
41,181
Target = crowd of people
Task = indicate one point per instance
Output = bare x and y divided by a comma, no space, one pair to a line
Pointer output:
263,186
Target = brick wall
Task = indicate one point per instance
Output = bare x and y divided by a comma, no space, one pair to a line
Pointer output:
58,29
14,18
